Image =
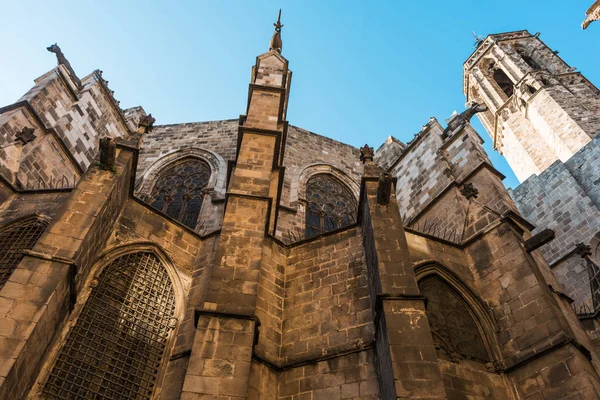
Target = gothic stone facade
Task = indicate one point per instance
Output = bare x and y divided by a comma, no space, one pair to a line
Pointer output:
252,259
545,118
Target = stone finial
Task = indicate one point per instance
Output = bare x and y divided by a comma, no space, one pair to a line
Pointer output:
146,123
62,60
583,250
26,135
276,43
469,191
366,153
108,151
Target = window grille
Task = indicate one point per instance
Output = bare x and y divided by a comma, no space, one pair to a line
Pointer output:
330,205
114,351
179,190
14,239
452,325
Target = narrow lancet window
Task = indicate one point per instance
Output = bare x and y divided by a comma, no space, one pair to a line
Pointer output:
14,239
115,349
179,190
330,206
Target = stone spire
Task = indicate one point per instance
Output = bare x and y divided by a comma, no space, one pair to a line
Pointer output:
276,43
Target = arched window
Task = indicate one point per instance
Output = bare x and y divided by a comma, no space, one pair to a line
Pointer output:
504,82
524,53
179,190
454,329
15,238
115,349
331,205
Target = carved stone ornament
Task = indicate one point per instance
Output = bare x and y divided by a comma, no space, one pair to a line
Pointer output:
26,135
583,250
147,122
469,191
108,152
463,118
366,153
592,14
276,43
62,60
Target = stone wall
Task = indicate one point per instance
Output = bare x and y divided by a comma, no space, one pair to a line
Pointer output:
565,198
552,111
68,125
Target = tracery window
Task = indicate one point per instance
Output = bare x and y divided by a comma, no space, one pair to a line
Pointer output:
115,349
179,190
14,239
454,330
330,205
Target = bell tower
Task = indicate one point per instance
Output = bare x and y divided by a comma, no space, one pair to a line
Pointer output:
540,109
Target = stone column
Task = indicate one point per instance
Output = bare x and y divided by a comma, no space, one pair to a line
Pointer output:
226,324
406,354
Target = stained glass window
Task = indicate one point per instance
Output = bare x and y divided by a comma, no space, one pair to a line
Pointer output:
115,349
14,239
330,206
452,325
179,190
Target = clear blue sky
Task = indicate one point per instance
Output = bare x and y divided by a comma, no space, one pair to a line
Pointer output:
363,70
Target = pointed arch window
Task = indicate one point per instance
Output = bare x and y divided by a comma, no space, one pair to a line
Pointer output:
14,239
452,323
180,188
115,349
504,82
331,205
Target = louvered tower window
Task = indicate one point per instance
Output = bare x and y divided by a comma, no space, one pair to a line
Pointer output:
179,190
115,349
331,205
15,238
454,329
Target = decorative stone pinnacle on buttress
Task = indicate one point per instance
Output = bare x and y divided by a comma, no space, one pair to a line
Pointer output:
276,43
366,153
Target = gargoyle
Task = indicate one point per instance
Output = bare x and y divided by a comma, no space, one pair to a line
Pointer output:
462,119
62,60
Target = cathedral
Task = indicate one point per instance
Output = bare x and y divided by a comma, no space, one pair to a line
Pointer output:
252,259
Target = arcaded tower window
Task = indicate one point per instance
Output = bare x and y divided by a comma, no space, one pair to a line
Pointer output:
330,206
179,190
115,349
504,82
15,238
454,330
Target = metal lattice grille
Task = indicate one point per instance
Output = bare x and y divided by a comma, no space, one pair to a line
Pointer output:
115,349
330,205
13,240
